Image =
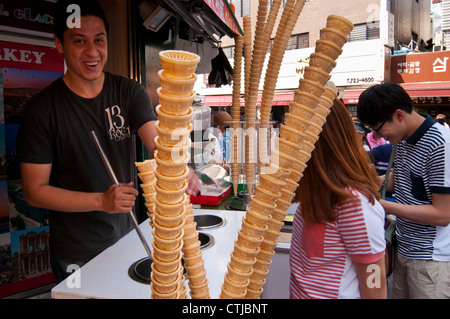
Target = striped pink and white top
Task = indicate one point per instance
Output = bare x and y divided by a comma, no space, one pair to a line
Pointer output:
322,255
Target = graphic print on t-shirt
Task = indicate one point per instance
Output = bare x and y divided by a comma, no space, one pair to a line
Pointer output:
117,127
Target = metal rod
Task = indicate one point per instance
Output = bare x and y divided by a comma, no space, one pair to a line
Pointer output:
116,182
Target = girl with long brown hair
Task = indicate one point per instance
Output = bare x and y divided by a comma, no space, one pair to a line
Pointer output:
337,248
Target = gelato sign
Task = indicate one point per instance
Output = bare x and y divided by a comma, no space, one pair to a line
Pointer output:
30,15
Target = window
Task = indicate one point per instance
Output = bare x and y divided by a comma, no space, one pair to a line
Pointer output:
229,52
283,4
365,31
298,41
242,7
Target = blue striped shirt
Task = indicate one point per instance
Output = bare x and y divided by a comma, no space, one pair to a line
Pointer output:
422,167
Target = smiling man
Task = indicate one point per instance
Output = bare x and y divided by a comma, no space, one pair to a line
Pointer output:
421,181
60,166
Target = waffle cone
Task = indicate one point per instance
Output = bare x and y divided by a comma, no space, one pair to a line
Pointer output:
265,195
317,75
269,182
164,266
328,48
323,109
252,230
340,23
197,279
257,218
311,85
253,294
296,122
196,269
191,248
291,185
260,206
238,276
278,214
171,182
166,278
200,291
194,258
330,93
147,165
243,252
275,225
256,285
166,244
322,61
241,264
315,128
170,234
289,147
158,295
290,134
232,287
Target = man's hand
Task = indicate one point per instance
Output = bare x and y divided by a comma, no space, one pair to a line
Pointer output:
119,199
193,183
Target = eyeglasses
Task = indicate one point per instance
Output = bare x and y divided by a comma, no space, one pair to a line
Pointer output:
376,130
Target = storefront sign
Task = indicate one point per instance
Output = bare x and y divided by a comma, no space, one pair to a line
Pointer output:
30,57
421,67
223,10
431,100
27,14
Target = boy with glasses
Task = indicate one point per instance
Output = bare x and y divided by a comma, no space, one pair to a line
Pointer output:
421,181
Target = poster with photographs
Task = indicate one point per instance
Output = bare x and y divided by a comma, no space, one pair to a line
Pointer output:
24,253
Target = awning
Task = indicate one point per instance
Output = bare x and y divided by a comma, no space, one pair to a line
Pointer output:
226,100
213,19
419,92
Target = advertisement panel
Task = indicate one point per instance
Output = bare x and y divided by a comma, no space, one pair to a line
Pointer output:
24,252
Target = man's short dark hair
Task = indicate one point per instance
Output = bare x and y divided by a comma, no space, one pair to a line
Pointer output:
87,8
379,102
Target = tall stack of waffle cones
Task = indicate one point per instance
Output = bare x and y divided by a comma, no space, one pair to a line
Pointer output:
257,238
235,169
174,234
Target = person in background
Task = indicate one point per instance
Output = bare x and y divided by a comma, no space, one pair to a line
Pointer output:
223,120
441,119
374,139
421,181
338,245
61,169
362,134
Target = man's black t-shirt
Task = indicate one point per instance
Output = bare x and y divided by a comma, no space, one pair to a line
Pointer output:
56,127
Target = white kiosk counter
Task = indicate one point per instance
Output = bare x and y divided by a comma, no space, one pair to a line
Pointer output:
107,275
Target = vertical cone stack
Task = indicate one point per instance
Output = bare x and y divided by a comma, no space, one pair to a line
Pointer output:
236,112
174,226
250,108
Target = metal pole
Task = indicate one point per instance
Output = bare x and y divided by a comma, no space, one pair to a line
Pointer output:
114,178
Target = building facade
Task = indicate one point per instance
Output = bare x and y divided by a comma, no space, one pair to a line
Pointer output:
382,29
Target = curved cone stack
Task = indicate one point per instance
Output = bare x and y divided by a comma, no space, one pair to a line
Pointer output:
174,235
147,175
257,239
